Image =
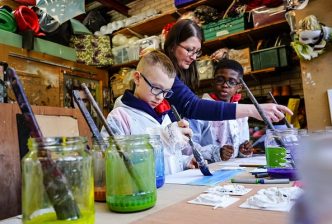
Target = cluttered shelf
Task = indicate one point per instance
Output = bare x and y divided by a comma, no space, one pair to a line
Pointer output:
151,26
155,24
242,37
247,36
192,5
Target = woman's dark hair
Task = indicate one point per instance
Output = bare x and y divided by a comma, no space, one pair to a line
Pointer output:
229,64
180,32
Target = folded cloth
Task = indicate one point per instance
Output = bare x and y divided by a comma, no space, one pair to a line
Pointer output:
27,19
7,20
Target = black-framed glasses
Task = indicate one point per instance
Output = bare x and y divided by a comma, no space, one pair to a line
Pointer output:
192,52
156,90
220,80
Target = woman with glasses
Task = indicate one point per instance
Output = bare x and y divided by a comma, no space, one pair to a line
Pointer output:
183,45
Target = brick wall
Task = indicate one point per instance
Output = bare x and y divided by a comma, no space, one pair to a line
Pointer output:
260,86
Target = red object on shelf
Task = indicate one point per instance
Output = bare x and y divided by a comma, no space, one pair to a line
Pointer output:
26,2
264,15
27,19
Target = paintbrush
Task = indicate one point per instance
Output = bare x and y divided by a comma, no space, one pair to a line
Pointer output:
198,156
92,125
130,167
283,119
264,117
55,183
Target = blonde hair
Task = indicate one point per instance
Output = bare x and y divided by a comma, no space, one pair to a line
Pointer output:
157,58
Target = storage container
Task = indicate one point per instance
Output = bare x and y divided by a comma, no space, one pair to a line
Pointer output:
125,53
270,57
264,15
226,26
152,42
180,3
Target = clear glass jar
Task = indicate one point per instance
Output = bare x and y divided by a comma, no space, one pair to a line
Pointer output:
281,147
159,159
98,160
69,156
130,174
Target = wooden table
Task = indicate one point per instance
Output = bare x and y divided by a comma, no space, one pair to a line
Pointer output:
172,207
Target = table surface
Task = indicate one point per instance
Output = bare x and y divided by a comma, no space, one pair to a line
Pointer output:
172,207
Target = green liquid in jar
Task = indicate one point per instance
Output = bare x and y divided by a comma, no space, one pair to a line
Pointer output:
50,218
275,157
131,203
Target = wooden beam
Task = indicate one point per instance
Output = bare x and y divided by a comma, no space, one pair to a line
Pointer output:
117,6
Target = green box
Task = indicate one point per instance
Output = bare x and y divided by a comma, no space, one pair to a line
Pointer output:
40,45
225,27
270,57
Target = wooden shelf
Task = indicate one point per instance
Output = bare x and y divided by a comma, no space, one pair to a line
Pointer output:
115,68
261,71
219,4
151,26
247,36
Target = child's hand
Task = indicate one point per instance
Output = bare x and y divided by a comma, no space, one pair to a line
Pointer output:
184,129
192,164
226,152
246,148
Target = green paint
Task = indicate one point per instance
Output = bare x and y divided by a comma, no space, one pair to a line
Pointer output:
131,203
275,157
50,218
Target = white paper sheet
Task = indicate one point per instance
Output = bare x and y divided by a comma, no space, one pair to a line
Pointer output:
255,160
234,191
223,204
282,208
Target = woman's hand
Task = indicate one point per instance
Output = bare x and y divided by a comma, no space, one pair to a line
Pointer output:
226,152
274,112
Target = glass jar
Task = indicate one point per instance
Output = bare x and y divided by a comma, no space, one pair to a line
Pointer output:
130,174
281,147
48,196
98,161
159,159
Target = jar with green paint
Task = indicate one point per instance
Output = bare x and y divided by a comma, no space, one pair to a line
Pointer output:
73,183
130,174
281,146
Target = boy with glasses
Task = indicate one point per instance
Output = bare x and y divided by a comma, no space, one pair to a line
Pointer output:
222,140
145,110
231,135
